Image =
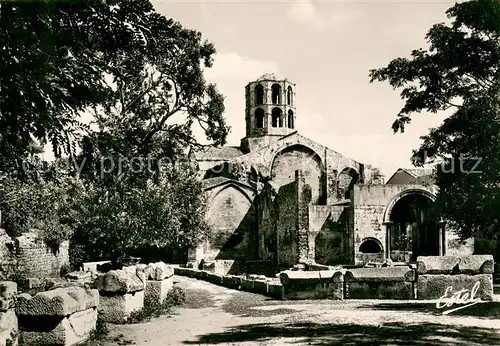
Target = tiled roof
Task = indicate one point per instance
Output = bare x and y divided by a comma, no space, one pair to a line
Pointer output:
215,154
419,172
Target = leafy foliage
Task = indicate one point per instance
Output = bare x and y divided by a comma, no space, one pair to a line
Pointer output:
48,208
139,76
460,71
118,220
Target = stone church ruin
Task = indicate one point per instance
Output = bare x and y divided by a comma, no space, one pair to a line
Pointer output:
281,199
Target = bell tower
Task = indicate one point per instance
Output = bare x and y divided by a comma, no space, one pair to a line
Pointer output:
269,111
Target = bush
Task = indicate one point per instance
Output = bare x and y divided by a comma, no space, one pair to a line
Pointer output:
152,309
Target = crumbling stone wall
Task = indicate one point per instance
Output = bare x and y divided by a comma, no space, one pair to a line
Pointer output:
232,218
332,241
29,256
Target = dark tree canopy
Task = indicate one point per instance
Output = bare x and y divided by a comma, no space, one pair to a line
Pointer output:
119,59
459,71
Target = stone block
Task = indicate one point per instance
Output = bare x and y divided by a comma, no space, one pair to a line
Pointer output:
117,308
119,281
476,264
437,264
259,287
92,266
80,276
297,277
158,290
392,274
380,290
58,302
71,330
8,289
275,290
247,285
214,278
231,281
430,287
9,331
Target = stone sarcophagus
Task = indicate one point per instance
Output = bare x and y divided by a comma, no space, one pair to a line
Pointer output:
446,276
64,316
8,318
323,284
121,292
159,281
380,283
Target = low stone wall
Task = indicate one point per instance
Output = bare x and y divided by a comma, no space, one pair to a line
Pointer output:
64,316
380,283
121,292
254,283
8,319
159,280
323,284
444,276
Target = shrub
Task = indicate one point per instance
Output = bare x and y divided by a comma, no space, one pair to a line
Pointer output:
152,308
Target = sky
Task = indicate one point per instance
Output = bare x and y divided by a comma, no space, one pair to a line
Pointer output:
327,49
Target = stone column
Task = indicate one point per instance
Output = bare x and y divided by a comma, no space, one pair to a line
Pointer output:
302,218
388,239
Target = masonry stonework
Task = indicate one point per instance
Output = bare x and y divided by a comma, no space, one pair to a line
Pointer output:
283,199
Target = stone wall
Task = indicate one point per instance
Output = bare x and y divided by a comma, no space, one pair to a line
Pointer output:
372,205
28,256
286,225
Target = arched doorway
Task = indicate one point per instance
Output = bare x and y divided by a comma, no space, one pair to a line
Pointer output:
413,228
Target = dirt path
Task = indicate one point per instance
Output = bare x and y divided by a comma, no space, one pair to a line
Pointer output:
216,315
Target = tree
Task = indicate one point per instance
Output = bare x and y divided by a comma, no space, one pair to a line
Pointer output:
461,72
120,220
58,57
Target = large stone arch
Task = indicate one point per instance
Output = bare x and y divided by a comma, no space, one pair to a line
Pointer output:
413,229
232,218
395,199
287,160
347,177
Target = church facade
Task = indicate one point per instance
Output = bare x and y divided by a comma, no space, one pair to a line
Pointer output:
281,199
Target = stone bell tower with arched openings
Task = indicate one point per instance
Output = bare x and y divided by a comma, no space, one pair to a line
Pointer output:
269,111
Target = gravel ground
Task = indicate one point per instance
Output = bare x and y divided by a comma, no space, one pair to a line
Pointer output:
215,315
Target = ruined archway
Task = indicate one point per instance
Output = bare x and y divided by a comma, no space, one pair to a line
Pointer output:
346,180
413,228
300,157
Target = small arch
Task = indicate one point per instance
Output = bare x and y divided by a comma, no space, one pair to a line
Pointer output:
259,118
277,118
289,96
290,119
370,245
259,94
346,180
276,93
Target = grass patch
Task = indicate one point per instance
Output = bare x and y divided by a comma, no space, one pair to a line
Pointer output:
153,309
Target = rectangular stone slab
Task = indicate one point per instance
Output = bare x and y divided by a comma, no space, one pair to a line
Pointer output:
476,264
392,274
430,287
313,290
158,290
290,276
120,281
379,290
437,264
117,308
231,281
71,330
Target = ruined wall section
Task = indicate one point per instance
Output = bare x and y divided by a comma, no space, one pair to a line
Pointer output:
28,256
